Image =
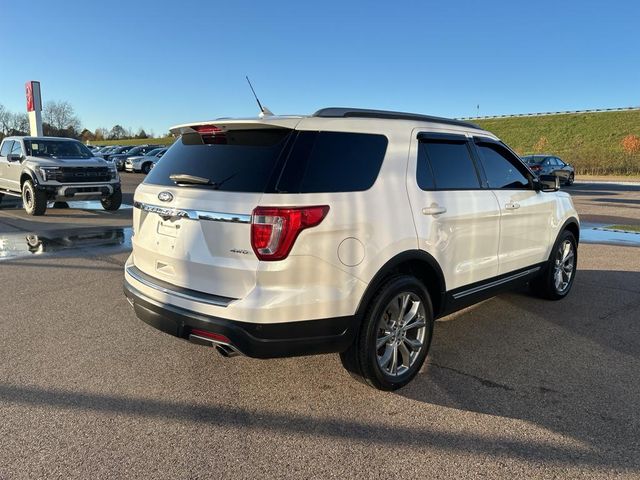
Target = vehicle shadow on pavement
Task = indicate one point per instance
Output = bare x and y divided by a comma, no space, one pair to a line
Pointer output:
224,415
570,367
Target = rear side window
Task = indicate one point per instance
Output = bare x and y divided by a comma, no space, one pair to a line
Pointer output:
446,165
238,161
502,168
332,162
6,148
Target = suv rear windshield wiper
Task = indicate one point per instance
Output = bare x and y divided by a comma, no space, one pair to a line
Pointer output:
186,179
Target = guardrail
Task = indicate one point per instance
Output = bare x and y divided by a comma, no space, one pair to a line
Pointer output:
541,114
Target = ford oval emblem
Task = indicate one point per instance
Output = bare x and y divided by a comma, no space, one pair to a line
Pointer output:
165,196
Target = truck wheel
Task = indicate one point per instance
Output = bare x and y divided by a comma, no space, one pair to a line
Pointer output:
394,337
113,201
146,168
33,200
559,274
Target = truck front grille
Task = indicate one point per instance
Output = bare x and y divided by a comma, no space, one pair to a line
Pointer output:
83,174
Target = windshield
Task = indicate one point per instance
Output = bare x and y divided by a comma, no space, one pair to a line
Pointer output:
57,149
153,152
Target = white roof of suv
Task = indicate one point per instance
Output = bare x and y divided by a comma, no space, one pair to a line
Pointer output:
290,121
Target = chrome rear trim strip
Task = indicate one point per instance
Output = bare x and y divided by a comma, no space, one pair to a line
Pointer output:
176,291
175,213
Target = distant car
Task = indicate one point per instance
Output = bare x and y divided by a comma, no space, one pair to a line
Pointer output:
144,163
551,165
117,151
102,150
120,157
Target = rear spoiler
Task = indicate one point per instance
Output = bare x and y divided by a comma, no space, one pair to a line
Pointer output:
226,124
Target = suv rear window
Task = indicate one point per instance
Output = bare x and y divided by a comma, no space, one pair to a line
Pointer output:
333,162
239,161
275,160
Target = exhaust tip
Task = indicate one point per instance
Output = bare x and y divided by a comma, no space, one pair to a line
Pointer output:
226,352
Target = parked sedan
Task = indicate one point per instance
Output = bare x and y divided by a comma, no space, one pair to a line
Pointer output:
144,163
120,157
117,151
551,165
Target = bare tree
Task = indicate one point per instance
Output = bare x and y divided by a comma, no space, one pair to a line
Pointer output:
61,116
5,119
101,133
18,124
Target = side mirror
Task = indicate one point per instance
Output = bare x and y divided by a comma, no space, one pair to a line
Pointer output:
14,157
547,183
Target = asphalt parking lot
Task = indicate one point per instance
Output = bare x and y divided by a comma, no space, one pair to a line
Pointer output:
514,387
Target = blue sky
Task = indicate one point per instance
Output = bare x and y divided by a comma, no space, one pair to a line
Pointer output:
154,64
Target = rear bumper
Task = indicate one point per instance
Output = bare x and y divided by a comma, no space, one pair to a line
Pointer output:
256,340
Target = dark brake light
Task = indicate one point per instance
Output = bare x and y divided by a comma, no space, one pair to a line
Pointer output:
274,229
535,167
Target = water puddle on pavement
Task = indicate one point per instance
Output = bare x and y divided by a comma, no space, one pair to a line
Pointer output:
598,234
16,204
17,245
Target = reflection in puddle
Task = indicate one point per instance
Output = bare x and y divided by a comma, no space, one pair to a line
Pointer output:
591,234
11,204
13,245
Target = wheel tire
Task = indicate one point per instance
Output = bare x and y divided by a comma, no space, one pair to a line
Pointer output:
112,202
365,361
558,276
146,168
570,180
33,200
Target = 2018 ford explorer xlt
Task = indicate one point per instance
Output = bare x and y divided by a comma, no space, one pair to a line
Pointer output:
346,231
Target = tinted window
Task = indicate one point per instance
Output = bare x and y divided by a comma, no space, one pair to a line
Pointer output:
57,148
17,148
6,148
243,159
447,165
500,167
332,162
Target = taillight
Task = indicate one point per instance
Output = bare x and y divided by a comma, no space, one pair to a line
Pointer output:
274,230
536,168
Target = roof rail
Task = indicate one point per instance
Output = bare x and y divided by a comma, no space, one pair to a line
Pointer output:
339,112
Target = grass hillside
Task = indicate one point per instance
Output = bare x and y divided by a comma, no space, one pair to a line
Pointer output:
136,141
598,143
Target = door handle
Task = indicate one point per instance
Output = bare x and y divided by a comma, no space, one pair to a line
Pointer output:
512,206
434,209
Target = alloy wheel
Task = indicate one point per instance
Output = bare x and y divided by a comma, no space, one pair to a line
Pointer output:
564,266
401,334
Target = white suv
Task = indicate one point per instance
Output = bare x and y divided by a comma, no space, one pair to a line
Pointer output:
346,231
